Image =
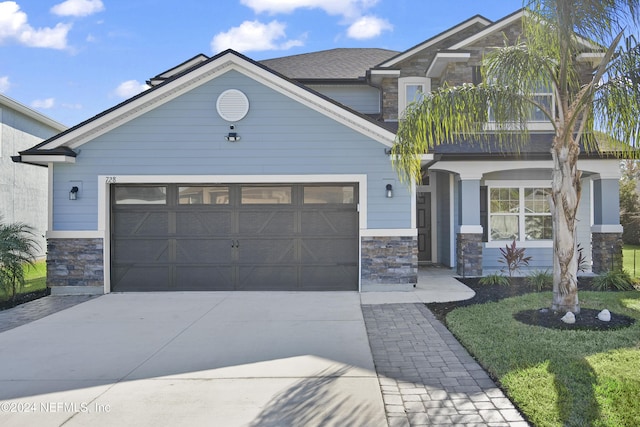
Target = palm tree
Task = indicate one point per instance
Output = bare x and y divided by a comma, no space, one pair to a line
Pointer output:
17,250
555,33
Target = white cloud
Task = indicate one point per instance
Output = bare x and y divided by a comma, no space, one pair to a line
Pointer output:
347,8
368,27
43,103
254,36
130,88
72,106
4,84
78,8
14,25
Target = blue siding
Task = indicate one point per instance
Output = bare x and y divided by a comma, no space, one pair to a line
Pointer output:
186,137
541,259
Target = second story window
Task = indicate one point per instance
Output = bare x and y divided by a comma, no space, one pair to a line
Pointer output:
411,89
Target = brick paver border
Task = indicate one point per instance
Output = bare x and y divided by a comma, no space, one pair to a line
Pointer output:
426,376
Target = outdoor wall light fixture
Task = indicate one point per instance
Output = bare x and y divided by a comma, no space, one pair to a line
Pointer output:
389,191
232,136
73,193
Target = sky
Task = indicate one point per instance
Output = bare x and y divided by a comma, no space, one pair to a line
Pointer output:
73,59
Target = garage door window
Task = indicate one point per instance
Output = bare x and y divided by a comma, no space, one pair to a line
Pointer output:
141,195
203,195
266,195
329,194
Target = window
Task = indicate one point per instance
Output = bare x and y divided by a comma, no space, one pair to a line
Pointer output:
520,213
537,119
411,89
141,195
266,195
329,194
203,195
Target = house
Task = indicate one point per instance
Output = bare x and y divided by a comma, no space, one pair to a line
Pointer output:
23,188
233,174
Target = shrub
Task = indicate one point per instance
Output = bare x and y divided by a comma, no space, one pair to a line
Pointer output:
513,258
17,249
540,280
495,279
616,280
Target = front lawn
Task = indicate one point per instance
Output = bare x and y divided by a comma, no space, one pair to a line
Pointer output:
559,378
35,280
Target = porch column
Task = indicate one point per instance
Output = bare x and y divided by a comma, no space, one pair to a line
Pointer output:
606,232
469,238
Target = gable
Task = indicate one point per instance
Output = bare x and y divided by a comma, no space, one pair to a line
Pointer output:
193,78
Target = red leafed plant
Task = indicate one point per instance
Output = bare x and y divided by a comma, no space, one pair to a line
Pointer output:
513,258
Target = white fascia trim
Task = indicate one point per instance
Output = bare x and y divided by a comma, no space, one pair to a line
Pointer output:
201,75
490,29
476,170
443,59
389,232
595,58
392,73
607,228
471,229
75,234
46,160
435,40
604,168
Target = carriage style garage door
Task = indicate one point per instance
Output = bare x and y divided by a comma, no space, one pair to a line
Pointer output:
234,237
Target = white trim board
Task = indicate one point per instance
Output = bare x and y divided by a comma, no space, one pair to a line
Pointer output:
105,181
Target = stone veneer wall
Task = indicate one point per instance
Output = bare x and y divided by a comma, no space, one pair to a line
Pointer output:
389,260
75,262
607,252
469,254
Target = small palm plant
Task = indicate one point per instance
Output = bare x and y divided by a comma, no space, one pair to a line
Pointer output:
513,258
18,249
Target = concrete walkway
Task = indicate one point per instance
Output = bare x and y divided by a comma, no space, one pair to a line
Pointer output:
245,359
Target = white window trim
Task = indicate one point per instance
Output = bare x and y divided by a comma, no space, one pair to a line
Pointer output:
521,216
532,125
403,82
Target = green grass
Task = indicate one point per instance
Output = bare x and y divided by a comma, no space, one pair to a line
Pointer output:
627,260
559,378
35,279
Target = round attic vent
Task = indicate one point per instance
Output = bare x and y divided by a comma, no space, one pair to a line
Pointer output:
232,105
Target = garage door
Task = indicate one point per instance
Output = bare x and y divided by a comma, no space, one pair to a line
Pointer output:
234,237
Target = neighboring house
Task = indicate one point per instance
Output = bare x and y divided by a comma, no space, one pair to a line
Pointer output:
23,188
275,175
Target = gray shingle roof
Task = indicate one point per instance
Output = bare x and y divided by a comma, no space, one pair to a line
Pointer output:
342,63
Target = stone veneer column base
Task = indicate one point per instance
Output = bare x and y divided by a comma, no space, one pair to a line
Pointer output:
469,254
75,266
606,252
389,263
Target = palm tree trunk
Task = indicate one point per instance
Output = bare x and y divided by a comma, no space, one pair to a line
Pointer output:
565,197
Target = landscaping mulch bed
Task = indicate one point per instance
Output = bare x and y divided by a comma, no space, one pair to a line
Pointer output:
585,320
23,298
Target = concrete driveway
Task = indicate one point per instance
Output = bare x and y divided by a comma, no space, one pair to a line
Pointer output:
229,359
